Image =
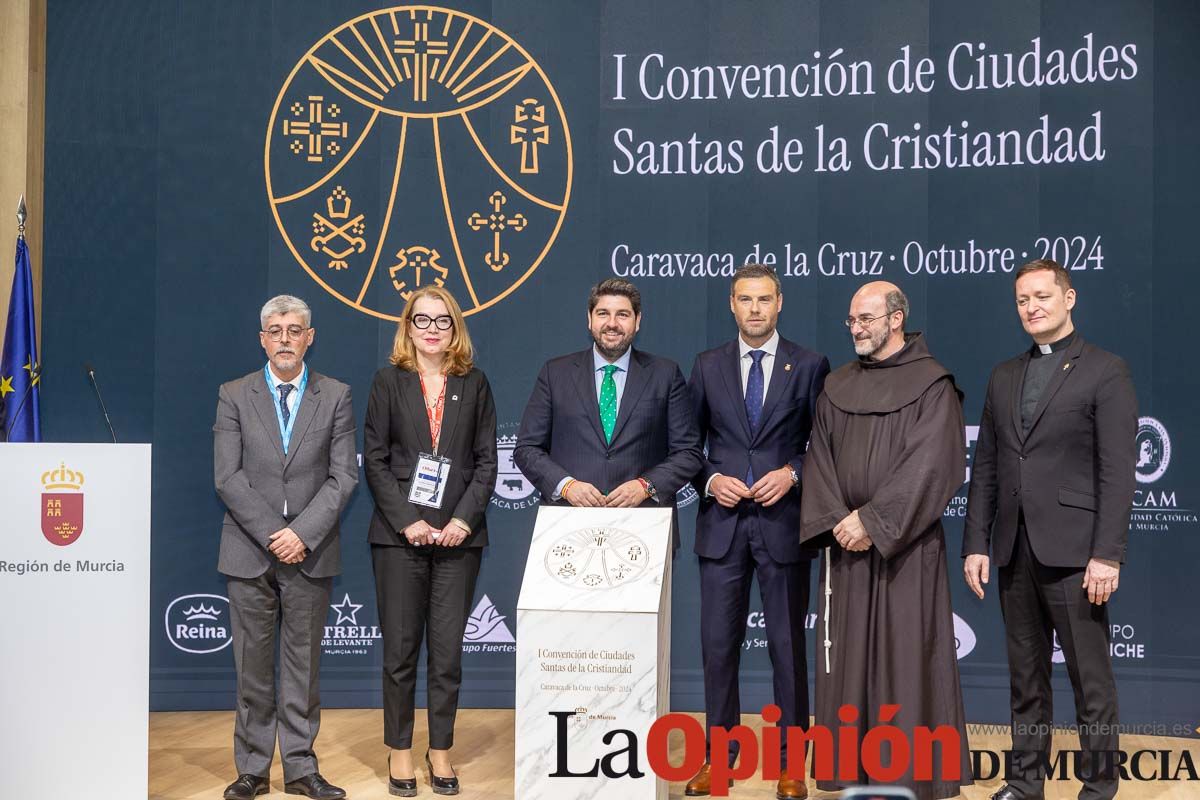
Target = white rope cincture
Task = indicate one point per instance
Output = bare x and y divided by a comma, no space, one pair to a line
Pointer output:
828,595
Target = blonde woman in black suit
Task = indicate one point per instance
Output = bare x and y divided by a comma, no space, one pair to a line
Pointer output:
430,461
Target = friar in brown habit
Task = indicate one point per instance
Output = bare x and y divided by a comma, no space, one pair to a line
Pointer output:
887,453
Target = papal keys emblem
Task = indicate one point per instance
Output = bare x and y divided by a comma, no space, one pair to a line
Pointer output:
62,505
418,146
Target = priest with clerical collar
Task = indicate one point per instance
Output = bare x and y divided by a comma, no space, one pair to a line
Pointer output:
1051,492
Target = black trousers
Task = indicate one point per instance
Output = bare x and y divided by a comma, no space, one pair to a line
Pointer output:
1038,601
423,592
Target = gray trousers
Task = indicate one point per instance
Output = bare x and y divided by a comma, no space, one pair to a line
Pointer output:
284,599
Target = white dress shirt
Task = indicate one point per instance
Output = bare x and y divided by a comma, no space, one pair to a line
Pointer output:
744,363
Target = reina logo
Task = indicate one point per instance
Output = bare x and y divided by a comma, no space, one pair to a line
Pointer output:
62,505
196,623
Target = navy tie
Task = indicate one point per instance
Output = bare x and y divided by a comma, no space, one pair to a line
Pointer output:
284,390
754,400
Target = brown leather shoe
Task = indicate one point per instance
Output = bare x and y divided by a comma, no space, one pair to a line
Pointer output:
701,784
790,788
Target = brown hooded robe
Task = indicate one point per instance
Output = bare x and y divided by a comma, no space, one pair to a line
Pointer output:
887,440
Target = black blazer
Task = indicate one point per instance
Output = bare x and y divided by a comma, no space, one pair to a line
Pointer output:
797,378
397,429
655,436
1073,475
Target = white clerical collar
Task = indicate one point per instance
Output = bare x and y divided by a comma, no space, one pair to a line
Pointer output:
600,362
769,346
1045,349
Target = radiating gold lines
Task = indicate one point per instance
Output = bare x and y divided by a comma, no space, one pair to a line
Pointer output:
387,50
324,68
395,25
480,69
522,69
446,27
437,147
387,76
359,64
467,60
387,218
345,159
503,174
462,37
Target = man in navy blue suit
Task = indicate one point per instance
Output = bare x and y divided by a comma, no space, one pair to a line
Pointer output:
610,425
754,399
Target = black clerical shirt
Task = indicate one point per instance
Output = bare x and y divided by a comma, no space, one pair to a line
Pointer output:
1042,365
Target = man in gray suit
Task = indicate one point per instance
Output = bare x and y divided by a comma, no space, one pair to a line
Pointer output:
285,466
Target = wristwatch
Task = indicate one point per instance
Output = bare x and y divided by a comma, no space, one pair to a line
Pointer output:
795,476
651,492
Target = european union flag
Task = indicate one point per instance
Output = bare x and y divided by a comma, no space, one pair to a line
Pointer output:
20,372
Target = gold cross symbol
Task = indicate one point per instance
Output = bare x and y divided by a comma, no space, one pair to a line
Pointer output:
316,128
497,222
529,136
421,48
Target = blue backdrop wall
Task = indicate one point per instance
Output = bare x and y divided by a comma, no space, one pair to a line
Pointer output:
201,157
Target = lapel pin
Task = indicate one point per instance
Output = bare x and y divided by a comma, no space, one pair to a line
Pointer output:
1066,366
453,397
787,367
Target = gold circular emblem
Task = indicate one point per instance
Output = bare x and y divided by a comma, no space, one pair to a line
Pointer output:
413,146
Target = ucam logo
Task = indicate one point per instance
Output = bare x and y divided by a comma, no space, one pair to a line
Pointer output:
964,638
198,623
1153,450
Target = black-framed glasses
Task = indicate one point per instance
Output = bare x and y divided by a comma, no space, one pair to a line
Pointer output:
275,333
443,322
864,320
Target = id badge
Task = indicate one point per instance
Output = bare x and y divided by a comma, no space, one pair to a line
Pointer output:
429,480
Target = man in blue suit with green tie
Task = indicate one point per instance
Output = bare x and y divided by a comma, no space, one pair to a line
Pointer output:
610,425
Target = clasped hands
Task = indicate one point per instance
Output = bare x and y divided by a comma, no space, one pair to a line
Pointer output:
767,490
287,547
851,534
583,494
422,533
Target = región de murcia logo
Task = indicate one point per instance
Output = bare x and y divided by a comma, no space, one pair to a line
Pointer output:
418,146
62,505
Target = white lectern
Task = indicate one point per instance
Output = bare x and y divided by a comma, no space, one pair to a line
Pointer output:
75,592
593,652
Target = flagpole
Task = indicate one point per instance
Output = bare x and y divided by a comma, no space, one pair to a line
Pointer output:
22,214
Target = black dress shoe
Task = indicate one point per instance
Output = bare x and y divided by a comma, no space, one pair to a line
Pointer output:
440,785
246,787
316,787
400,787
1008,793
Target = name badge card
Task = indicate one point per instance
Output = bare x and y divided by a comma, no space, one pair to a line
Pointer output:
429,480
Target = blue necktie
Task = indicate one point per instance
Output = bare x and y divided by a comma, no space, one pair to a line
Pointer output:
754,400
284,390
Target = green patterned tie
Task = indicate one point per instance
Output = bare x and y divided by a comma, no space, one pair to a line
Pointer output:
608,402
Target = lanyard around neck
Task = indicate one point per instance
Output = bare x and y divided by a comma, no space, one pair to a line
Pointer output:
285,431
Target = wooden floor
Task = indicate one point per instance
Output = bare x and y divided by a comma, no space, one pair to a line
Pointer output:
191,756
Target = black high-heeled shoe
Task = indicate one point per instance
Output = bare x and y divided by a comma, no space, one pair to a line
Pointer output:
400,787
440,785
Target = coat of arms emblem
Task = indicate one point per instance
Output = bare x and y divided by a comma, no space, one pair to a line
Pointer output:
62,505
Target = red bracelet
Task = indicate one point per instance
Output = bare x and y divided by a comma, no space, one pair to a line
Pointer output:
645,486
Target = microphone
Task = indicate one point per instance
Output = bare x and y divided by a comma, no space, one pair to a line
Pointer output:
92,374
35,372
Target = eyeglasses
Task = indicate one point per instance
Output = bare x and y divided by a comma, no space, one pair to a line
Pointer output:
443,323
275,333
864,320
